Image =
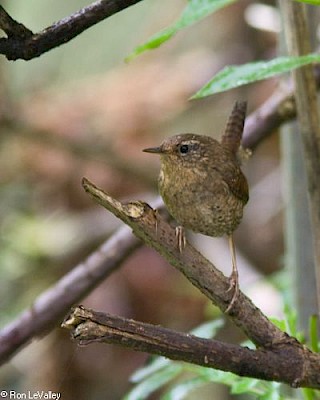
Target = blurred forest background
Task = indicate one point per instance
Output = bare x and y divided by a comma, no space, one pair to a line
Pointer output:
80,110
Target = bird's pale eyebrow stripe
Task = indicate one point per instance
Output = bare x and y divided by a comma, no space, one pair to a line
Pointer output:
190,142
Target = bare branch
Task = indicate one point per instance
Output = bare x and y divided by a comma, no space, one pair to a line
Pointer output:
279,358
155,231
276,111
290,363
12,28
21,43
101,151
50,307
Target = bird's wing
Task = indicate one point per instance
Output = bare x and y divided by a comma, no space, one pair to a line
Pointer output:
237,183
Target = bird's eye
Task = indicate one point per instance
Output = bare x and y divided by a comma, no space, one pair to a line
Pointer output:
184,148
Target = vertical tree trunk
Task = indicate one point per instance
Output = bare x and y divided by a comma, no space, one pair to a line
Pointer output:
302,160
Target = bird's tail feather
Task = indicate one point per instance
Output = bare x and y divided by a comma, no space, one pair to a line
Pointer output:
232,136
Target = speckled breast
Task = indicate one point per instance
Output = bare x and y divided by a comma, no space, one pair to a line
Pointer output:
211,212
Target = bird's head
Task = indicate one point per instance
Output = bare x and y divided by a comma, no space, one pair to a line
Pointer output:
186,149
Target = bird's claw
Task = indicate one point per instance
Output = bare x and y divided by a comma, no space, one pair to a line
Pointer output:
155,214
181,238
233,285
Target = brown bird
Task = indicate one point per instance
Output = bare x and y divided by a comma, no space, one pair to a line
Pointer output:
202,185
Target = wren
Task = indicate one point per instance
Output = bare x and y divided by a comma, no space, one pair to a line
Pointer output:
202,185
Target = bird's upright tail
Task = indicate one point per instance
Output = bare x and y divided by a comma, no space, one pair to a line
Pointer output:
232,135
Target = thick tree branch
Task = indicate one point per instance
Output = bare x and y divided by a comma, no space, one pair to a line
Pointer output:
21,43
289,363
155,231
298,39
51,306
279,358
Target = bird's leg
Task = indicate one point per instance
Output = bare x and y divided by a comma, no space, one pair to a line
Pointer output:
155,214
181,238
234,277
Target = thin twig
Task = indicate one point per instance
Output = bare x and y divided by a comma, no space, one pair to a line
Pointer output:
31,45
274,112
277,110
12,28
50,307
100,151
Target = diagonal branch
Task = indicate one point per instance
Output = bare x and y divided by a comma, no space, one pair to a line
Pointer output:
155,231
50,307
12,28
277,110
279,357
21,43
272,114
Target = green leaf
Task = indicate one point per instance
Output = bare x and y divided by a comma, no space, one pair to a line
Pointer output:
310,394
214,375
273,392
182,389
208,329
194,12
236,383
154,366
289,323
313,333
243,385
314,2
154,382
280,323
291,320
234,76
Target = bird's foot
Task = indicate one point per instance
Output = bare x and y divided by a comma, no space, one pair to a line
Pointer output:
181,238
155,214
233,285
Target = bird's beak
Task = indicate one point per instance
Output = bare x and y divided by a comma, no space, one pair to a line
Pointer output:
154,150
